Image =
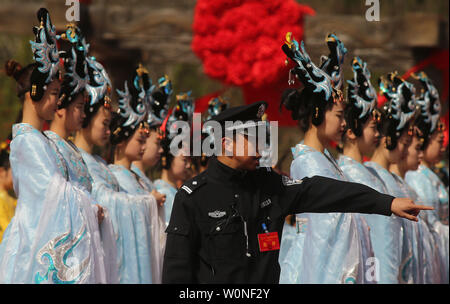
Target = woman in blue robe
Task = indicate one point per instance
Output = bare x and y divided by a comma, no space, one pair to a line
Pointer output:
128,136
359,140
105,188
395,129
429,265
175,168
424,181
67,121
329,248
157,109
54,236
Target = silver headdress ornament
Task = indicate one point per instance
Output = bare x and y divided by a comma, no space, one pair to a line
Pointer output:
308,73
78,82
429,101
159,99
76,76
334,62
361,93
134,115
45,54
73,35
133,105
44,48
401,97
99,83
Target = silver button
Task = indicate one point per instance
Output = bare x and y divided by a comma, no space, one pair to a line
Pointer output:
218,229
194,182
175,228
236,195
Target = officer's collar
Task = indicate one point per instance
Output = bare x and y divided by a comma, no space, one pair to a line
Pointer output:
217,169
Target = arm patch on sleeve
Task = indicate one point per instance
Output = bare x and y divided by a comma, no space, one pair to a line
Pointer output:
289,182
191,186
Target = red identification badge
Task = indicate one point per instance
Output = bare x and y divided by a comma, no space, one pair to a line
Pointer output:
268,241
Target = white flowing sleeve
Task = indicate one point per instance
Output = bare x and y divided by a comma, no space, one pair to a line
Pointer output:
54,235
137,222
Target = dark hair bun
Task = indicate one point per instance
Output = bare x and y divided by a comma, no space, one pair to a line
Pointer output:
303,106
13,68
290,99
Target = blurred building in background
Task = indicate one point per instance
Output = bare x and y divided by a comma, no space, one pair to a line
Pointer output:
159,34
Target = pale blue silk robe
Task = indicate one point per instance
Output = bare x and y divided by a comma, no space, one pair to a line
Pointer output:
165,188
407,253
145,218
432,192
126,213
385,232
54,236
329,248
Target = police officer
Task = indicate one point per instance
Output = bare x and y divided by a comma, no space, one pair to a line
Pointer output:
226,223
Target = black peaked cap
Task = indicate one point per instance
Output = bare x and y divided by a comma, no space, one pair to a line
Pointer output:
252,112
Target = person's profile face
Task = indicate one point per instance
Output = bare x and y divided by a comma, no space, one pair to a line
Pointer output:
153,149
180,166
75,114
334,123
135,146
434,151
99,127
48,105
399,153
370,138
245,151
414,155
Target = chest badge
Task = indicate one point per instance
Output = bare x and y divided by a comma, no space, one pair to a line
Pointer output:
217,214
268,241
266,203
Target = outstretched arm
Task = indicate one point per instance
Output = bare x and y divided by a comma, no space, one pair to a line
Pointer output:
322,195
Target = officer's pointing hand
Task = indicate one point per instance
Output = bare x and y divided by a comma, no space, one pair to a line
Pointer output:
405,207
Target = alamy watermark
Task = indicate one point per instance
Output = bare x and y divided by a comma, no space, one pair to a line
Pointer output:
73,12
373,12
242,139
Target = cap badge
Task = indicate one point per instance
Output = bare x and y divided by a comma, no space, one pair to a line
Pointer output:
261,110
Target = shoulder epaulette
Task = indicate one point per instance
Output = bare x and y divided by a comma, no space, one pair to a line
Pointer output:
193,184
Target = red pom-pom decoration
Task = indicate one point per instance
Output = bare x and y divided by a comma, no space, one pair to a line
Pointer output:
239,43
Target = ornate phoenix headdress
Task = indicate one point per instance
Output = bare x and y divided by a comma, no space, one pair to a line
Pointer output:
307,72
401,99
333,64
399,110
45,53
361,92
76,75
99,85
430,109
362,97
132,107
429,102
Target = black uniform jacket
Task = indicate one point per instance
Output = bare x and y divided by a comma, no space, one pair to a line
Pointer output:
217,215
